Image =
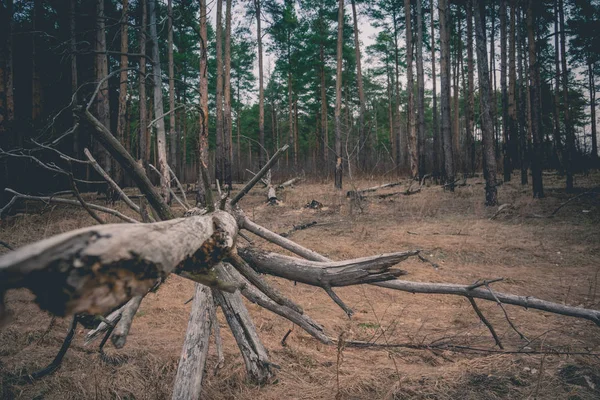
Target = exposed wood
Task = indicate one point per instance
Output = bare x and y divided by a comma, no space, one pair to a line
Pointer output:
112,183
180,187
96,269
136,171
119,336
327,274
271,196
290,182
253,351
190,371
372,189
169,189
112,318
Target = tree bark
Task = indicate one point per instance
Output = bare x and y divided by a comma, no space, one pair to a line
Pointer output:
445,92
523,95
173,136
534,89
592,85
420,91
511,126
220,150
491,193
203,131
161,137
506,138
122,116
570,134
362,139
10,99
144,137
438,155
338,98
102,99
261,91
36,84
227,119
470,109
190,371
410,89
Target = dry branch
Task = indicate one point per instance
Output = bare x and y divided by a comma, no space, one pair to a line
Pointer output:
187,205
190,371
354,193
96,269
119,336
60,200
290,182
170,189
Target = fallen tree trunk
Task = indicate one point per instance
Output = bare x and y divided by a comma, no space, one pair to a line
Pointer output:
96,269
253,351
353,193
190,371
271,196
291,182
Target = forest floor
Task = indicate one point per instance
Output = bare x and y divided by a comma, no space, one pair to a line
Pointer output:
556,259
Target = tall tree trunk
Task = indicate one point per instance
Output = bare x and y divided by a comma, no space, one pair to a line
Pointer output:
173,136
438,155
470,109
506,138
262,159
338,98
556,109
227,119
74,77
324,130
570,148
122,117
445,91
220,154
491,193
420,91
410,88
363,148
397,124
144,137
592,84
10,100
203,122
458,156
534,89
511,125
161,137
102,99
493,99
523,103
36,90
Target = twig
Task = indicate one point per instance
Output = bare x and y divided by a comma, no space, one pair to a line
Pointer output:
4,244
258,176
339,302
506,314
169,188
179,186
484,282
427,260
485,321
571,199
83,203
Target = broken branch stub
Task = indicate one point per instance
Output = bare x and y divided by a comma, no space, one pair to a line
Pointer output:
96,269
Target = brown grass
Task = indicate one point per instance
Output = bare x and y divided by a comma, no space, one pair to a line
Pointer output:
554,259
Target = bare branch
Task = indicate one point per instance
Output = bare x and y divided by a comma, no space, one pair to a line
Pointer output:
485,321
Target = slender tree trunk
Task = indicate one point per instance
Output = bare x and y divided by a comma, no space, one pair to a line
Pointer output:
227,125
534,88
324,130
592,84
470,109
363,148
556,109
491,193
122,117
506,138
338,98
144,137
397,117
523,103
220,153
36,91
570,148
262,159
203,122
493,102
410,88
438,155
74,78
290,114
445,92
458,156
420,91
511,125
161,139
102,99
173,136
10,100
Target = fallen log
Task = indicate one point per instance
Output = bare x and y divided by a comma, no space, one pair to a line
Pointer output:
96,269
290,182
354,193
190,371
271,196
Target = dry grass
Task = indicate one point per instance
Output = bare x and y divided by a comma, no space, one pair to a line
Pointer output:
554,259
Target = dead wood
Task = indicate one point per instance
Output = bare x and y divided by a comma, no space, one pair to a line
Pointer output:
119,336
290,182
187,205
96,269
190,371
171,192
355,193
60,200
296,228
271,196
